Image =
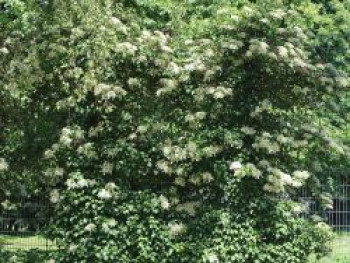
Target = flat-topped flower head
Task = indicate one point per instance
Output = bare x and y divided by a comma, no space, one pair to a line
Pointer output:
235,166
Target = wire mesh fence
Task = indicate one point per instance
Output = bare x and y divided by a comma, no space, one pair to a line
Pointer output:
23,223
337,215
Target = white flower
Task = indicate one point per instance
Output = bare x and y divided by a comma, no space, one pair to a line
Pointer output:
107,168
4,50
212,258
70,184
282,51
323,226
142,129
174,68
54,196
176,228
110,186
82,183
126,48
248,130
108,224
104,194
49,154
50,261
179,181
255,172
286,178
116,21
207,177
298,208
188,207
3,165
302,175
90,227
164,202
235,166
278,14
164,166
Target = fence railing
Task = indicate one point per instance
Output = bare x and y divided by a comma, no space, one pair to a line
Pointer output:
23,223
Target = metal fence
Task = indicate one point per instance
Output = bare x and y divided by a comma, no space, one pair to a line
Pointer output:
23,223
338,217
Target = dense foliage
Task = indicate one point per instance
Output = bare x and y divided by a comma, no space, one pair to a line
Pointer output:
177,132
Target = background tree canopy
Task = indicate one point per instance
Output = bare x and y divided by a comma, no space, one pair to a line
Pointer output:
175,131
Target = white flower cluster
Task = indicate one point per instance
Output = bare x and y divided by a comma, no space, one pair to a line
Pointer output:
278,14
177,153
278,180
54,172
165,167
248,130
167,86
79,183
235,166
108,225
177,229
158,38
126,48
263,106
4,50
107,168
108,92
188,207
194,118
49,154
90,227
195,65
252,170
107,192
3,165
211,258
326,200
104,194
265,142
120,26
173,68
257,47
88,150
243,170
69,135
342,82
219,92
164,202
207,177
232,45
54,196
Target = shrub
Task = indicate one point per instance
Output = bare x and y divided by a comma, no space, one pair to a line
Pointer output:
188,131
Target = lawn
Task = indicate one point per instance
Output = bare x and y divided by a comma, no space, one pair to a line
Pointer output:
26,242
340,251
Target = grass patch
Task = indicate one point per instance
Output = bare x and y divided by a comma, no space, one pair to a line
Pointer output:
340,251
14,242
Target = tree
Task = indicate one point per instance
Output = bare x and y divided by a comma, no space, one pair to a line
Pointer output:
183,130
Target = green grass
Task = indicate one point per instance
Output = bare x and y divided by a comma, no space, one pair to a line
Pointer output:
26,242
340,251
